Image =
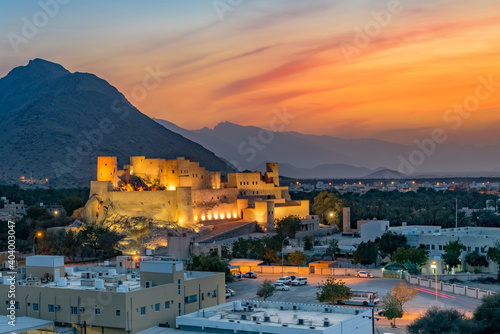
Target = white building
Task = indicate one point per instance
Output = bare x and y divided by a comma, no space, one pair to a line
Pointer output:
435,238
252,316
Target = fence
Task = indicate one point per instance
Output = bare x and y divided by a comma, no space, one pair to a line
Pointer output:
462,290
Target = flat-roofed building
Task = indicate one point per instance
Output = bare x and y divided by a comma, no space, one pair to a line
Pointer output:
113,300
252,316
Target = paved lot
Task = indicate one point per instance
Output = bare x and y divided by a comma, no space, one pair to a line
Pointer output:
247,288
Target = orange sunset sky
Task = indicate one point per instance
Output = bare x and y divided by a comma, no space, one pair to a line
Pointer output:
237,61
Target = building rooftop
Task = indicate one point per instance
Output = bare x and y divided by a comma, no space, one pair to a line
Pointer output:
23,325
277,317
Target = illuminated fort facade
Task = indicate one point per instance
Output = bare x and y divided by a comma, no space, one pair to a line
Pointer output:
182,191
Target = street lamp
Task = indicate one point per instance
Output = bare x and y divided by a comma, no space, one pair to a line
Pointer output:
38,234
282,255
434,265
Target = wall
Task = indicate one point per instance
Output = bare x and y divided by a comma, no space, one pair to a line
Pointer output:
462,290
306,270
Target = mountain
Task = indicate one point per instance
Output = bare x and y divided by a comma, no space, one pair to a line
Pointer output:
247,147
320,172
55,124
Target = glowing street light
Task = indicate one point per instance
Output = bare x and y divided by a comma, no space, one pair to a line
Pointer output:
37,235
434,266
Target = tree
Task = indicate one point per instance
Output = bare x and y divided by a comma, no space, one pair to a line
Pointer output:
288,226
452,252
266,289
72,203
391,309
210,262
333,248
226,253
325,203
97,239
475,259
402,294
270,247
441,321
494,255
487,314
412,258
35,212
389,243
70,245
332,291
308,243
365,253
297,258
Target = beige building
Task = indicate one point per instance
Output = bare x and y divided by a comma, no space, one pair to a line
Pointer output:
112,300
182,191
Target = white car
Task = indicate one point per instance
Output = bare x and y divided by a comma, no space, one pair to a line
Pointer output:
281,286
363,274
285,280
299,281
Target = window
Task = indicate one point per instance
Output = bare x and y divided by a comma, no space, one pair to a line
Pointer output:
74,310
440,247
179,287
482,249
180,309
202,296
477,249
468,249
214,293
191,299
97,311
432,246
17,306
36,307
117,313
51,308
157,307
143,310
167,305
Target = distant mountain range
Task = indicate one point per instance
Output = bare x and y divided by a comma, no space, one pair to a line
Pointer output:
54,124
319,156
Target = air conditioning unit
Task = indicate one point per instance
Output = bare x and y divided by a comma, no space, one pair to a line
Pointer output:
57,307
149,284
301,322
81,309
100,274
120,282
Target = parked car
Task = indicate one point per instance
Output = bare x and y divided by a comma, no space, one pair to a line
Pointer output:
285,280
280,286
249,274
228,294
381,313
231,291
293,277
363,274
299,281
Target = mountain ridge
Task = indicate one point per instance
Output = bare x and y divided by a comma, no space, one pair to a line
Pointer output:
56,125
307,151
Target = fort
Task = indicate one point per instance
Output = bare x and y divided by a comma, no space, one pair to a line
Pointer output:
181,191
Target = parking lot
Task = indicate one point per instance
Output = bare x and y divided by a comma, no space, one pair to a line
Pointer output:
246,289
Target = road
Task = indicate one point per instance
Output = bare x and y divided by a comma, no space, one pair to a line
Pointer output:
247,288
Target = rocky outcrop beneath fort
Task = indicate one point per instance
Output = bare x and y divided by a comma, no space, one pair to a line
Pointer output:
141,231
